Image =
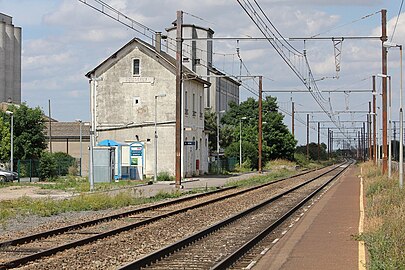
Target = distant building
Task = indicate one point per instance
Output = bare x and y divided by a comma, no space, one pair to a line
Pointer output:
198,56
10,60
126,86
65,137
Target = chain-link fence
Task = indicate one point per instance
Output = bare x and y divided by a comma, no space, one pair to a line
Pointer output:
222,165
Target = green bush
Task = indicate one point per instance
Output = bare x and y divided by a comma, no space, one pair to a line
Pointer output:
47,166
301,159
164,176
63,162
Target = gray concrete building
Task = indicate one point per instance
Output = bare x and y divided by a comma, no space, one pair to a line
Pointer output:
198,56
134,89
10,60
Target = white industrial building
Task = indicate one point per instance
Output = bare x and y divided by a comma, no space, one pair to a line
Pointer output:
10,60
132,86
198,57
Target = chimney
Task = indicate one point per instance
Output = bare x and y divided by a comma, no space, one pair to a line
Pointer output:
158,41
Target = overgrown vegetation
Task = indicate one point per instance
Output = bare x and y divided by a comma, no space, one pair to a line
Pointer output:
278,172
85,202
164,176
384,233
55,164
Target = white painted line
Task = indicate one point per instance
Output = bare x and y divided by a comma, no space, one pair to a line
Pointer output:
275,240
284,232
251,264
264,251
291,225
301,214
362,250
297,219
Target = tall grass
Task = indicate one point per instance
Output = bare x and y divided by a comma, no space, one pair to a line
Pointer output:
46,207
385,220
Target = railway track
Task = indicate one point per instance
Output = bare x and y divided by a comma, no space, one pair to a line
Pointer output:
220,246
20,251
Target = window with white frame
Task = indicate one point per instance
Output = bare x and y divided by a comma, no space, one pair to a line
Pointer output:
136,67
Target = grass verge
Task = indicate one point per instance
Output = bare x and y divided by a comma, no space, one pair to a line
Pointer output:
77,184
85,202
384,232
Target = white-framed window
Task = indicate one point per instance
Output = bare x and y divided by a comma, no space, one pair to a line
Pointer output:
136,67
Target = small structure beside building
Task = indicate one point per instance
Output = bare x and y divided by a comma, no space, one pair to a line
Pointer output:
65,137
134,100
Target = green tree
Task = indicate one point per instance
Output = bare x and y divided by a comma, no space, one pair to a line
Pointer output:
278,142
4,138
313,151
29,138
210,127
47,166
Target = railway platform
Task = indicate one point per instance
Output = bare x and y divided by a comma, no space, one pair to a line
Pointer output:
323,238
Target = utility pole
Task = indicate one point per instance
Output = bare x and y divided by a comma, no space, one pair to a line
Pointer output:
260,122
384,90
370,153
308,136
179,95
292,119
364,141
50,126
374,122
328,143
319,141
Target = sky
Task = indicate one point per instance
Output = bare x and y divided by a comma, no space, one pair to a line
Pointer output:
64,39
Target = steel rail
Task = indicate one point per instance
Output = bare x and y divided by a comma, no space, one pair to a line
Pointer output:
64,229
84,241
166,251
235,256
33,237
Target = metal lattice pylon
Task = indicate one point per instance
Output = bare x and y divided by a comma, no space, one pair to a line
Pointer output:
337,47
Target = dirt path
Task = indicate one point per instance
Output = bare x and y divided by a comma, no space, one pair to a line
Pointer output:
15,192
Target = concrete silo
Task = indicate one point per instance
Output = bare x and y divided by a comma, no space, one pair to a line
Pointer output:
10,60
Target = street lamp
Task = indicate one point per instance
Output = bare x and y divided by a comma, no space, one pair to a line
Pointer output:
81,145
240,140
156,136
218,115
11,139
401,116
389,122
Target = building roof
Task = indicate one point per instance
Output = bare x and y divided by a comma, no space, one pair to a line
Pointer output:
67,129
152,50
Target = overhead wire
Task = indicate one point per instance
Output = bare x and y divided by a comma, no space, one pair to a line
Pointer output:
396,22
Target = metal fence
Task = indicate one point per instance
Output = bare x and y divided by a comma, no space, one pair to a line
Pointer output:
222,165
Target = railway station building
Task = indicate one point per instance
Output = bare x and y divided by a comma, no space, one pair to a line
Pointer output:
133,93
